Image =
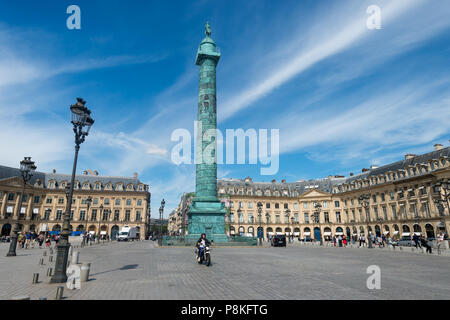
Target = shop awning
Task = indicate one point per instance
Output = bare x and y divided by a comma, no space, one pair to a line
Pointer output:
386,232
43,228
306,233
395,232
270,233
405,234
102,232
36,210
418,233
296,233
279,233
339,233
327,233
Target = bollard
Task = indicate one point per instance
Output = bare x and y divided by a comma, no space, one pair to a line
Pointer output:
20,298
50,259
75,257
44,253
35,278
49,272
85,268
59,293
41,261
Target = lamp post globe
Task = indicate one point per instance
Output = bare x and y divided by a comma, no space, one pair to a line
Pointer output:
260,232
27,168
82,123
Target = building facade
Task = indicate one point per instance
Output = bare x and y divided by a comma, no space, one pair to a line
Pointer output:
116,201
178,219
397,199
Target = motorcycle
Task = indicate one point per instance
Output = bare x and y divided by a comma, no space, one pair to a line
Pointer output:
204,256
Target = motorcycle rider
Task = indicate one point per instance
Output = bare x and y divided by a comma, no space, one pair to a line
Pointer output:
201,244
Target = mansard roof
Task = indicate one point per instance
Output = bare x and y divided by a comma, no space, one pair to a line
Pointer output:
301,187
403,164
45,178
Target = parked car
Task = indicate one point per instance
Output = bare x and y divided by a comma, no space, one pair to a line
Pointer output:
278,241
405,242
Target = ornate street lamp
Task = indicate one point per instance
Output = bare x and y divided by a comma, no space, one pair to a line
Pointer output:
239,221
88,203
161,211
317,209
292,231
287,214
364,201
99,220
27,168
82,122
260,233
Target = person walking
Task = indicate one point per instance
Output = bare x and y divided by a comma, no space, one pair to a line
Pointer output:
48,242
416,241
27,239
425,244
40,240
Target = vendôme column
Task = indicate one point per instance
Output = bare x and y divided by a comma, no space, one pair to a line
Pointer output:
207,213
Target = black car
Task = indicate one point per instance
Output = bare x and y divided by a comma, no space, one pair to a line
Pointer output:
278,241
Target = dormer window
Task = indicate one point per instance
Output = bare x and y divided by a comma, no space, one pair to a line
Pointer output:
97,186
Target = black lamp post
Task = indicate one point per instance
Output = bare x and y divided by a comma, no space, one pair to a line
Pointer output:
292,231
239,221
267,221
317,209
260,205
82,123
27,168
88,204
364,201
161,211
287,213
99,220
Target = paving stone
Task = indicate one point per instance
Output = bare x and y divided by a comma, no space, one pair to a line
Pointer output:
142,270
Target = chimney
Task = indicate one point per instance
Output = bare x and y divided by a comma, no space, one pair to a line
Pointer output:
85,172
438,146
351,174
54,170
96,172
374,166
135,175
283,181
409,156
364,170
273,181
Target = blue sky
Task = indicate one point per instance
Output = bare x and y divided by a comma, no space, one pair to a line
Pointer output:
343,96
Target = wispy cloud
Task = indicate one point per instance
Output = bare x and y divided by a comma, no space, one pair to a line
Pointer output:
326,44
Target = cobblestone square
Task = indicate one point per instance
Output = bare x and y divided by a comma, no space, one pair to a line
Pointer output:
141,270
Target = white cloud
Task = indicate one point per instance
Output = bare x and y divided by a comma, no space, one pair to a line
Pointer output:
326,43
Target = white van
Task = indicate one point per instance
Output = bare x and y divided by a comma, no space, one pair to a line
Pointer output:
127,233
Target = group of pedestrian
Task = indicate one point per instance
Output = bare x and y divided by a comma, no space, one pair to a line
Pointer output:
339,240
30,239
